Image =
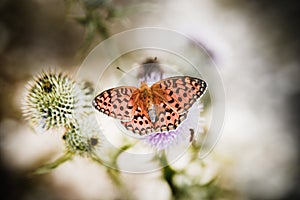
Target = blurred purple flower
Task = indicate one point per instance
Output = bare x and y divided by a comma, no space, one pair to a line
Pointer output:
150,71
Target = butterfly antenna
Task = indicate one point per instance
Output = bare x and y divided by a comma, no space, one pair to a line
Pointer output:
118,68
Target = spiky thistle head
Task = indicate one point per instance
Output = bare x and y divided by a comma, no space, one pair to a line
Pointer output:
54,100
84,138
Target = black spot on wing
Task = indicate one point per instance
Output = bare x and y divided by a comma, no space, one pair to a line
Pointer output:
140,124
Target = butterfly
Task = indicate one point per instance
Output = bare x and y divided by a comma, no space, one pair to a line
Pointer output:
161,107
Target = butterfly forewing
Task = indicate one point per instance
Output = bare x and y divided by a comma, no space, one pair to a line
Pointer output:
115,102
179,93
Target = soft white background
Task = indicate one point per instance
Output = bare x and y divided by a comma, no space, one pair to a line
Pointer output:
254,47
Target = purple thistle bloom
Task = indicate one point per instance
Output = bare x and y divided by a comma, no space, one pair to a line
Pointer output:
164,140
150,71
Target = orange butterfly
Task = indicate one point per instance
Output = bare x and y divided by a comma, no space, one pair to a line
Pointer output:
161,107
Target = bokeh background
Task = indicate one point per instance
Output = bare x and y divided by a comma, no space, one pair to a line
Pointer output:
255,45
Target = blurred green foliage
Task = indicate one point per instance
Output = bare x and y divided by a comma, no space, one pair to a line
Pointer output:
96,17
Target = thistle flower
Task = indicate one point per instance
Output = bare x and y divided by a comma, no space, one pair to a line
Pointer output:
150,71
83,138
55,100
164,140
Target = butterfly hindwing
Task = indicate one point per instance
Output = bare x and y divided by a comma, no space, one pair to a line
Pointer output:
167,118
140,124
115,102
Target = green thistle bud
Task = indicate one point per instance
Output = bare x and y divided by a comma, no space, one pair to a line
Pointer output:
84,137
55,100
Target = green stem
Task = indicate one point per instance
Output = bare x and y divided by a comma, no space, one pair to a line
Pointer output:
168,175
50,166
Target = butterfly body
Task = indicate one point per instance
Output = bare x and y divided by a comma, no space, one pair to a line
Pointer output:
143,98
152,114
161,107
